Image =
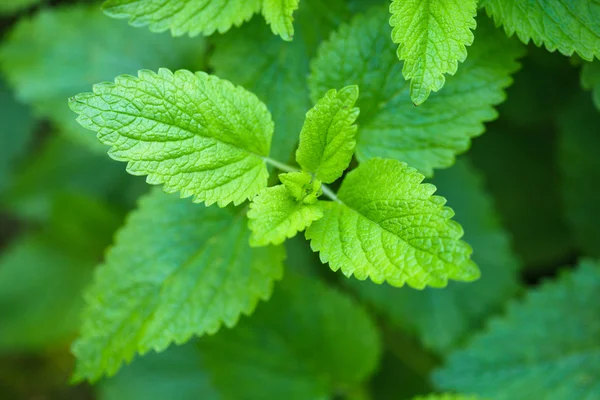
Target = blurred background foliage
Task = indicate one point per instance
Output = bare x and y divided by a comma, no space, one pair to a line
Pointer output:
526,193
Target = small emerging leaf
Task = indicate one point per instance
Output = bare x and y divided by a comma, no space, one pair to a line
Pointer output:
432,36
302,186
389,227
275,216
193,133
327,138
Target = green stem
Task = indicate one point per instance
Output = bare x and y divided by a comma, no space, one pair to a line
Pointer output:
288,168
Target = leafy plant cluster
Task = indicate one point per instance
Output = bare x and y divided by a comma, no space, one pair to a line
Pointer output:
453,278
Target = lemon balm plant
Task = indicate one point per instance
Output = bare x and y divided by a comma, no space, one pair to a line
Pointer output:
320,136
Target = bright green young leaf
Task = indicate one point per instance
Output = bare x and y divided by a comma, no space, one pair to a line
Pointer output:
40,294
177,373
193,133
590,80
546,347
15,135
428,136
275,215
432,36
177,270
61,51
302,186
388,226
569,26
441,319
579,161
276,71
308,342
198,17
278,14
327,137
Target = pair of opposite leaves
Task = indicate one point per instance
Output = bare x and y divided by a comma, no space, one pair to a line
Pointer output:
204,137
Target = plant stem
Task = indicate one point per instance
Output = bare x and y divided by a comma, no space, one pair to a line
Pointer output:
280,165
288,168
329,193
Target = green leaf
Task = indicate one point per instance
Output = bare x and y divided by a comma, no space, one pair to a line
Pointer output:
441,319
278,14
276,71
302,186
199,17
40,293
546,347
177,373
590,80
275,215
61,51
177,270
13,6
193,133
432,36
308,342
62,167
15,135
446,396
388,226
568,26
579,147
327,137
428,136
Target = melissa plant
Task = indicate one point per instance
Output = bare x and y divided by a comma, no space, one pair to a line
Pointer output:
288,139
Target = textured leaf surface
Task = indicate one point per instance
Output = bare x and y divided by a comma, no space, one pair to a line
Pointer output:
178,269
198,17
275,215
302,186
590,79
389,227
327,137
568,26
278,14
177,373
442,318
61,51
432,36
428,136
276,71
15,135
194,133
546,347
290,349
579,161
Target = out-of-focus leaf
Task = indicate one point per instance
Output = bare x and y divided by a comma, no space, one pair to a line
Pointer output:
579,158
590,79
307,342
175,374
13,6
62,51
15,134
